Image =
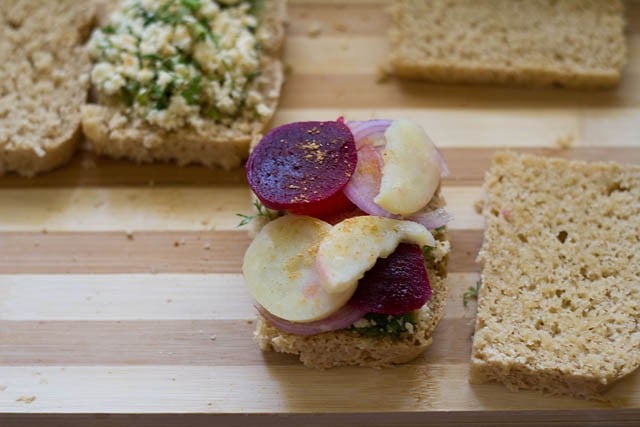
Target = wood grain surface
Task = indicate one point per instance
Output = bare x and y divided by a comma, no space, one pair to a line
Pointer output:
121,298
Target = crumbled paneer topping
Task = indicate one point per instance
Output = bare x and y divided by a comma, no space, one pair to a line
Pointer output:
440,250
177,62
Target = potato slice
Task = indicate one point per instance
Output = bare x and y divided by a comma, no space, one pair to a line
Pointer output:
279,270
411,170
353,246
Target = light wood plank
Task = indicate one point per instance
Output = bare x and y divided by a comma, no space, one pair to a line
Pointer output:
175,342
352,54
123,208
272,389
159,208
159,252
82,297
615,126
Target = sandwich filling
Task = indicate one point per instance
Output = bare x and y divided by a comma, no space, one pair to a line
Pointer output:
179,62
337,259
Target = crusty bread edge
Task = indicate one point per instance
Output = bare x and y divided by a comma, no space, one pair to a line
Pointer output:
537,77
221,146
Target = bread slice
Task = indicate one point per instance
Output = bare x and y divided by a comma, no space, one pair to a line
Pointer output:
114,133
559,305
349,348
43,82
564,43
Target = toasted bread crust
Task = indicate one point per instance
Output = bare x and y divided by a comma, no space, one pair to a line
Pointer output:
113,133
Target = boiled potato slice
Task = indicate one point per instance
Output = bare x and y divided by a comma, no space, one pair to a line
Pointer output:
411,171
352,247
279,270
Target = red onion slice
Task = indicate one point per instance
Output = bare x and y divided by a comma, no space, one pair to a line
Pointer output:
368,131
341,319
364,184
431,219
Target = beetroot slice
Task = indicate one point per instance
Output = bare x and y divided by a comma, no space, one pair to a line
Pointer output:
303,167
395,285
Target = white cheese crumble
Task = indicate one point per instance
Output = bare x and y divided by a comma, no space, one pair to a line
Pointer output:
177,62
440,250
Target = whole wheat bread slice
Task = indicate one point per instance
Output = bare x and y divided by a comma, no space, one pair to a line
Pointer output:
114,133
349,348
559,305
43,81
567,43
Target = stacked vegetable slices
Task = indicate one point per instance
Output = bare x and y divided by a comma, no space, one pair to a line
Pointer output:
372,180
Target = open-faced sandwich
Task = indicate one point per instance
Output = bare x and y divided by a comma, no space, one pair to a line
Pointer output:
194,81
350,268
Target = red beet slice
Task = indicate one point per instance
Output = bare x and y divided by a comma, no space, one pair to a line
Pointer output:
303,167
395,285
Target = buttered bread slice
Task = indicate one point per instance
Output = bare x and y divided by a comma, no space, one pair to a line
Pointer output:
559,304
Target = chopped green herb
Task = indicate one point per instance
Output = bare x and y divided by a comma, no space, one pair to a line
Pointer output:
471,293
213,113
192,93
129,92
108,29
193,5
384,325
260,211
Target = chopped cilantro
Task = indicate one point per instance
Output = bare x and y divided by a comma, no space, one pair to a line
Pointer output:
384,325
193,5
260,211
108,29
471,293
192,93
129,92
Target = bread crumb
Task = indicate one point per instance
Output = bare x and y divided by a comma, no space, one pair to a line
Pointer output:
249,322
565,142
26,399
129,234
176,243
315,28
207,246
212,337
339,26
478,205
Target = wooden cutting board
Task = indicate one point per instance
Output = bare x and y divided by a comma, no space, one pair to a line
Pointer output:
121,298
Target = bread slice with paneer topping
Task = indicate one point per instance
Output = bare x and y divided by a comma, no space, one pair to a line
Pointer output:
186,81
